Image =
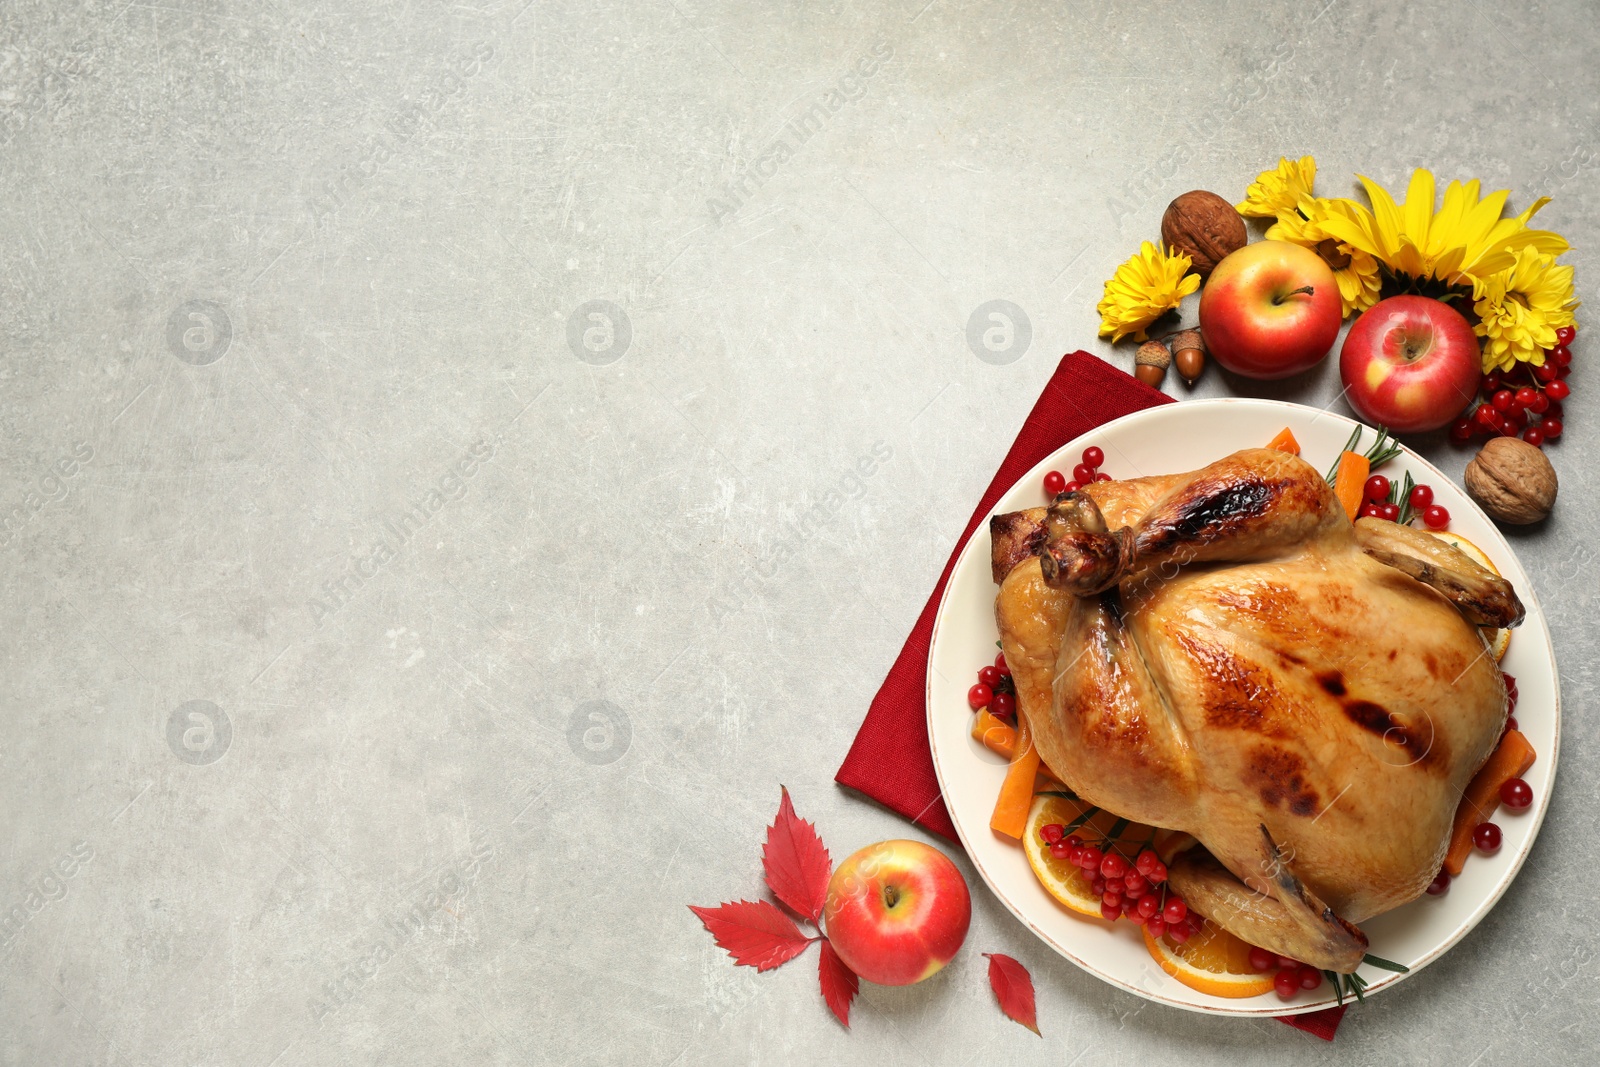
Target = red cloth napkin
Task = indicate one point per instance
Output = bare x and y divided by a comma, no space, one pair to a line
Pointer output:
890,760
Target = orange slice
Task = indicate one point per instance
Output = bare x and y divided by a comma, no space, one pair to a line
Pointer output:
1499,640
1212,961
1069,884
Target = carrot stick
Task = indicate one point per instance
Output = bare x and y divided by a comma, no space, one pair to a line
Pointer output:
1511,760
1285,442
1016,792
994,734
1350,480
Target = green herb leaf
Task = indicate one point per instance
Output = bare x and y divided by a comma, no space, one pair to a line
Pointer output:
1115,833
1403,488
1337,981
1088,814
1387,965
1349,446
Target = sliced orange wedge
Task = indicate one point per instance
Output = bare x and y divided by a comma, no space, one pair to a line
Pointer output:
1067,883
1499,640
1212,961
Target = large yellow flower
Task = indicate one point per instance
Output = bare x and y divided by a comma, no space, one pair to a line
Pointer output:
1147,286
1520,309
1275,193
1465,240
1356,271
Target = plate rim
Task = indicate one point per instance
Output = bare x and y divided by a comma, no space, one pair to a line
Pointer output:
1389,978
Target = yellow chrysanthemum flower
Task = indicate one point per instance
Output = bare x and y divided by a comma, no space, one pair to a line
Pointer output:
1275,193
1355,270
1465,240
1147,286
1520,309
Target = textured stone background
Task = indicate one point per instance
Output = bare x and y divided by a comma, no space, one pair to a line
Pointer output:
269,271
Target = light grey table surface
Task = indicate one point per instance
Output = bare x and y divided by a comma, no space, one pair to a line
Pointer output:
272,274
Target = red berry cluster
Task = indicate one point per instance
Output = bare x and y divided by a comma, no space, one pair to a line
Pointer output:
1380,499
1524,401
994,690
1138,892
1292,976
1055,483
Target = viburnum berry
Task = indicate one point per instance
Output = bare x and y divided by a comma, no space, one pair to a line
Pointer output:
1310,977
1287,982
1110,897
1503,400
1511,692
1074,854
1369,510
1516,793
1052,832
1511,724
1091,858
1561,355
1377,488
1135,885
1546,374
1486,837
1083,473
1180,933
1557,390
1525,396
1143,861
1102,477
1060,851
1055,483
1074,840
1435,517
1534,436
1072,487
989,676
1565,334
1552,428
1093,457
1157,926
1461,431
1098,886
1176,910
1262,961
1000,665
1113,866
979,696
1391,512
1149,905
1003,705
1421,497
1110,912
1157,872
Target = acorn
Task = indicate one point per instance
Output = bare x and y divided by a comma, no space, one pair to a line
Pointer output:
1189,352
1150,363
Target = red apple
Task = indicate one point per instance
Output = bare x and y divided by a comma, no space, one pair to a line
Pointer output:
897,911
1410,363
1270,310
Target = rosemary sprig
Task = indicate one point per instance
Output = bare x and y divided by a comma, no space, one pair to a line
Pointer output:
1088,813
1115,833
1403,488
1383,449
1388,965
1349,446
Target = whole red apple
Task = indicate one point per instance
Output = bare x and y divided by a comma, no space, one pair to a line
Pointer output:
1410,363
897,911
1270,310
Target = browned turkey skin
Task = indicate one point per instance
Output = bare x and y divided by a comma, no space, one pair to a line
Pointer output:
1224,652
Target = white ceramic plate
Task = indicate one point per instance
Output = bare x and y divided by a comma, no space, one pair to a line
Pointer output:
1168,439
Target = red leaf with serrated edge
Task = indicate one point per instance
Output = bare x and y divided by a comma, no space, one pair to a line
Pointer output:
796,862
839,983
1013,988
755,933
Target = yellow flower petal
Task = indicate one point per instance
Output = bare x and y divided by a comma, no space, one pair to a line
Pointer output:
1144,288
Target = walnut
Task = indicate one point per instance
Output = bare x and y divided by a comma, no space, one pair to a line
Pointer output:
1512,480
1205,227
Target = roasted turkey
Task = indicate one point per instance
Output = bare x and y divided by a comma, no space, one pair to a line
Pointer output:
1224,653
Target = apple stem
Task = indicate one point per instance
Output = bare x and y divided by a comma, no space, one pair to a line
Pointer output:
1306,289
891,896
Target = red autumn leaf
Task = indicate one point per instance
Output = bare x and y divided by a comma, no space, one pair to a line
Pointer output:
1013,988
796,862
839,982
755,933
